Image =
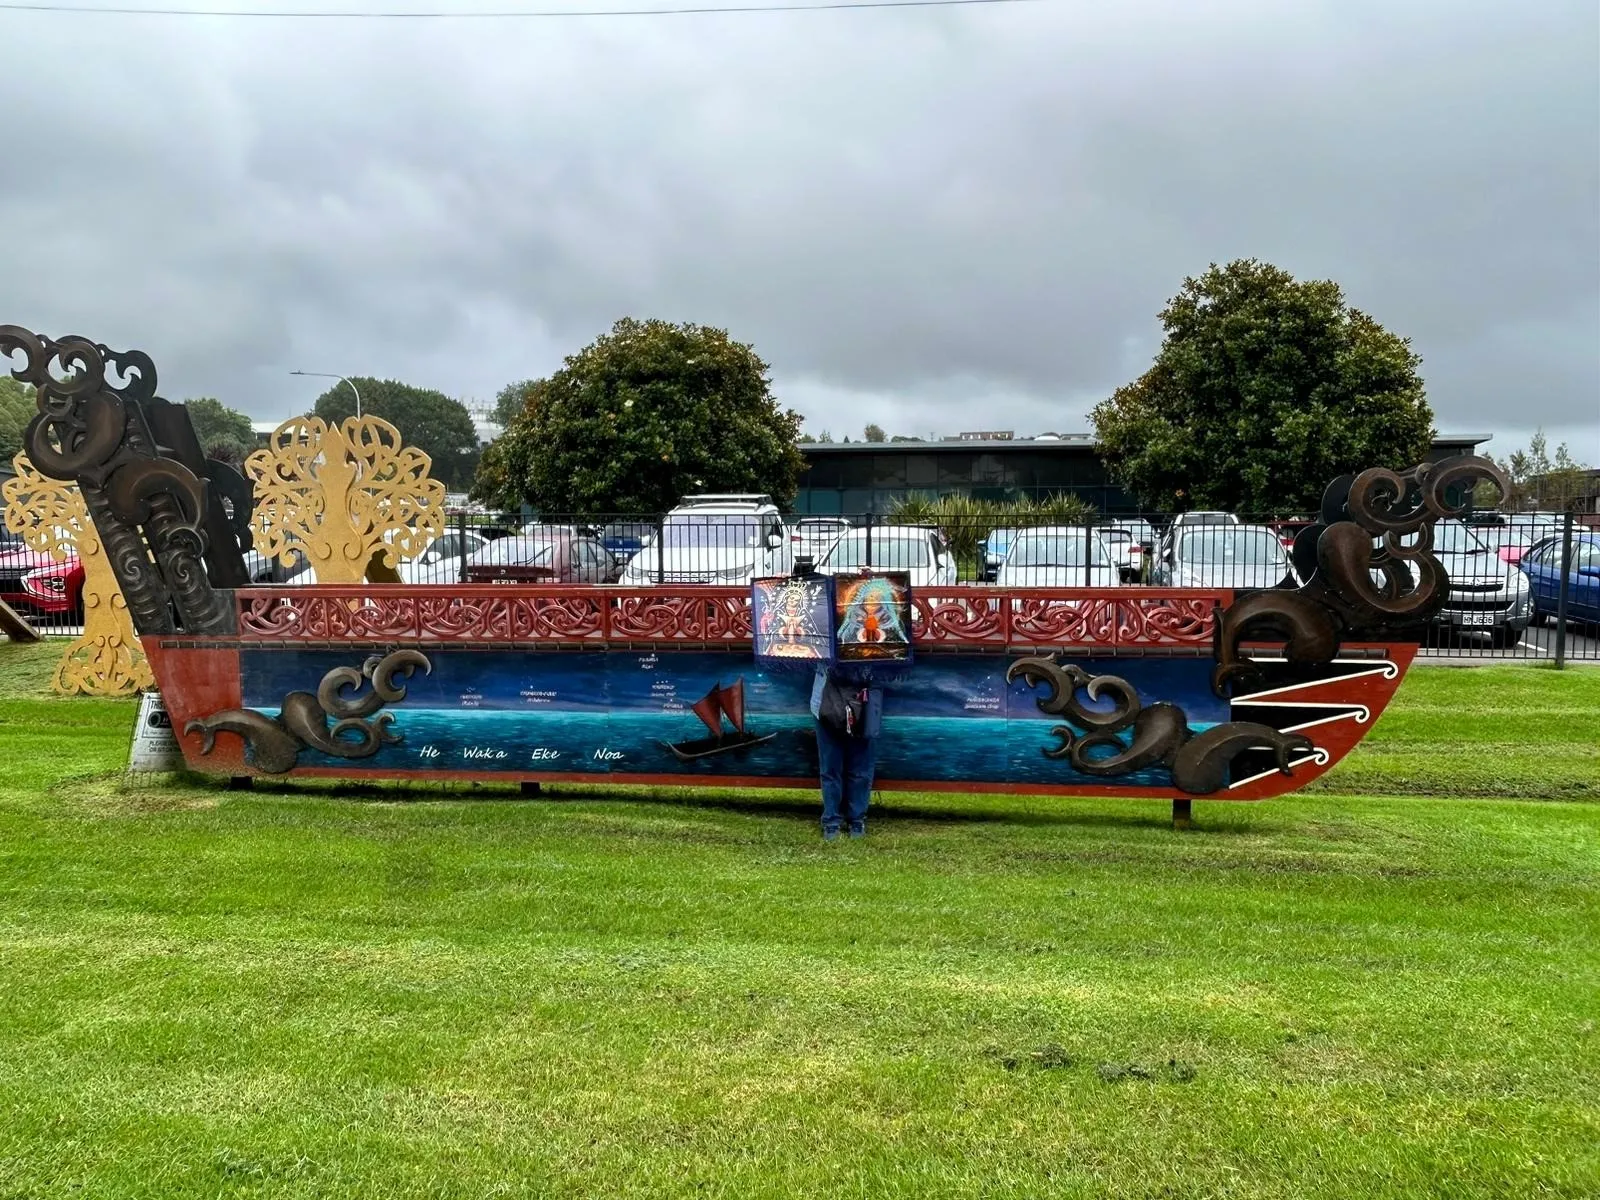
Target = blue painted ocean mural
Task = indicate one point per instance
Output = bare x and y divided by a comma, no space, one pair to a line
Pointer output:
947,718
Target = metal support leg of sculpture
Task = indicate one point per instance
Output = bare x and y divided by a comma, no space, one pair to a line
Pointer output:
1182,813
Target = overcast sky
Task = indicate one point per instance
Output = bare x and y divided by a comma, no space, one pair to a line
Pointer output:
933,219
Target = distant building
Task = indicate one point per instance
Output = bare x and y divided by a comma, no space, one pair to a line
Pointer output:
863,477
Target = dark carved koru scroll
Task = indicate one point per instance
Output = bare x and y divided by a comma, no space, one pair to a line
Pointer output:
174,524
1368,566
303,721
1159,734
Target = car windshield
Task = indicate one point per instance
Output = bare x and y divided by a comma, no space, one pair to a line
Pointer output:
1047,548
1120,536
1452,537
515,551
888,550
710,531
1215,544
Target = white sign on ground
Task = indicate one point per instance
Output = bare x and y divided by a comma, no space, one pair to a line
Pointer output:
155,746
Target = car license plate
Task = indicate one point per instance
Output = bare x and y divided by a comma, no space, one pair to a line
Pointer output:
1477,618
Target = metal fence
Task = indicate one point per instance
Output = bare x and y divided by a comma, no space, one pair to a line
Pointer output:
47,593
1523,585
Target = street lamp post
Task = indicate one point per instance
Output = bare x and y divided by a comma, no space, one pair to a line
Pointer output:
329,375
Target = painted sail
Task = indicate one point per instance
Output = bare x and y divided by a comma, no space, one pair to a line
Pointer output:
732,701
709,709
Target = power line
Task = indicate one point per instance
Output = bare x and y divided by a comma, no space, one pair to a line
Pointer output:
510,15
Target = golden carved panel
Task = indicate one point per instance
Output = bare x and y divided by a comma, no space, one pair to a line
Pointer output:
106,659
351,497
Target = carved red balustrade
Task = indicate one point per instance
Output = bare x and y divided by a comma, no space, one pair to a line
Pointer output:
951,618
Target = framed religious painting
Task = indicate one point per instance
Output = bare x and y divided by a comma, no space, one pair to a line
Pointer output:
792,619
872,618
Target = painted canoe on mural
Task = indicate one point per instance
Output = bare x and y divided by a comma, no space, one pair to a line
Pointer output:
1175,693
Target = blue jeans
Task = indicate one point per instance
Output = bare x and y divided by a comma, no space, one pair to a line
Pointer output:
845,765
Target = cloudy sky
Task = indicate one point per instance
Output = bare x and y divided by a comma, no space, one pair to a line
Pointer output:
936,219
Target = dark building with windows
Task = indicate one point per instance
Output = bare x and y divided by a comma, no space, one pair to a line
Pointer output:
863,477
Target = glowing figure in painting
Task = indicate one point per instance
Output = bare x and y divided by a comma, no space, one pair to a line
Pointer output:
791,621
872,612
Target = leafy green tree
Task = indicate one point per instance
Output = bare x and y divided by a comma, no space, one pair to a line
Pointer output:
223,432
1265,388
16,410
646,414
510,400
1538,481
874,433
431,421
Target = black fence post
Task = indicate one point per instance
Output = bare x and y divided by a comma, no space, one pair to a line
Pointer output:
870,518
661,551
1562,588
1088,556
461,545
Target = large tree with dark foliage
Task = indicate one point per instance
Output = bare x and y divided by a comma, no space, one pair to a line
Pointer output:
1265,388
223,432
431,421
17,408
646,414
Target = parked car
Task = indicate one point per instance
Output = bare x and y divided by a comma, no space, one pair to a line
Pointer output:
1137,554
558,558
1290,529
1058,556
1201,516
264,570
813,537
992,552
1247,557
722,539
1542,566
1188,520
441,561
1486,595
1520,531
624,539
35,584
918,550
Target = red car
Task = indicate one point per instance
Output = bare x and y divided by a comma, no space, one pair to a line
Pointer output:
552,558
35,583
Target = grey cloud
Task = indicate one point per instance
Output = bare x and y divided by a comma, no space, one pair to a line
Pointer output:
931,219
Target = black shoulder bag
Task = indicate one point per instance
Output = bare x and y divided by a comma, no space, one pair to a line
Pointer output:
843,709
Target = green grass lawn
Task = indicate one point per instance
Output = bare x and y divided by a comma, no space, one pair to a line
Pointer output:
394,992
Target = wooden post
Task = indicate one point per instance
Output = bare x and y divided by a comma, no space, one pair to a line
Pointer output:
240,783
530,787
1181,814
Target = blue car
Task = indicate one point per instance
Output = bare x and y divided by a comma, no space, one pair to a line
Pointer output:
624,539
1542,565
992,552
